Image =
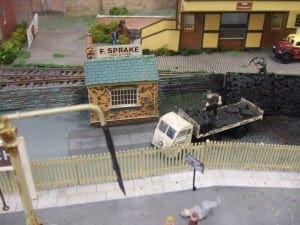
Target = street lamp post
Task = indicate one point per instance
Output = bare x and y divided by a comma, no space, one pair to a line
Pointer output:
10,142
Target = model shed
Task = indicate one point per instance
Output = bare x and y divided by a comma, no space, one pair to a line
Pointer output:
125,88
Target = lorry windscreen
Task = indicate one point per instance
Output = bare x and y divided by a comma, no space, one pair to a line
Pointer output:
163,126
171,132
168,130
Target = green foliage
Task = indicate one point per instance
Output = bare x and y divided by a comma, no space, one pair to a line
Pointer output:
118,11
190,51
19,63
23,54
58,55
162,51
101,32
10,48
123,39
147,51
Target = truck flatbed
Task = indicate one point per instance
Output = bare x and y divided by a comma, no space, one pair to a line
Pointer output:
228,117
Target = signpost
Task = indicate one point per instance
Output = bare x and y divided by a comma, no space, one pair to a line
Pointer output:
196,164
118,50
32,30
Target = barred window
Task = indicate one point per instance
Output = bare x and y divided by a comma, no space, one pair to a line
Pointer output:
297,22
124,97
189,21
276,21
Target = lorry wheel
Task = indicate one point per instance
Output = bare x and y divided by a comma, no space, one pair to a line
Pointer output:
286,58
240,132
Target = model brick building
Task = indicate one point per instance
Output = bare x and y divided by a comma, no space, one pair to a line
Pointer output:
125,88
228,24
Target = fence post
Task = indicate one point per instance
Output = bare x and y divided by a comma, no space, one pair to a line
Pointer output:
142,162
76,168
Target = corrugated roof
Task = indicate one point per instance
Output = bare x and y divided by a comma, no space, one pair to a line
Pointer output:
120,70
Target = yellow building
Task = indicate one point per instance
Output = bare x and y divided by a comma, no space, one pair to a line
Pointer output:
224,25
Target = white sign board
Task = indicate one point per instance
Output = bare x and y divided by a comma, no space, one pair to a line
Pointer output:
118,50
32,30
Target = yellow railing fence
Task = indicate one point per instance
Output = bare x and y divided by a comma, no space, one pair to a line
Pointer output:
145,162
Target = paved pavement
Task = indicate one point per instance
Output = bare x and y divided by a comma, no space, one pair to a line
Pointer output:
268,206
246,206
67,39
72,134
173,182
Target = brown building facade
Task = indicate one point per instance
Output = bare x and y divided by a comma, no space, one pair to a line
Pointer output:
145,94
235,24
7,19
125,88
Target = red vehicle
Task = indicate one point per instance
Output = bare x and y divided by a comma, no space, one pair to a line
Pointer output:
289,49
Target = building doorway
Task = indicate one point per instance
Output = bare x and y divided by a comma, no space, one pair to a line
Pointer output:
233,29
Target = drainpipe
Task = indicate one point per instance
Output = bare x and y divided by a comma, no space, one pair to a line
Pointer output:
10,142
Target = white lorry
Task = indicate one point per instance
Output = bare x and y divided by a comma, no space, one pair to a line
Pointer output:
179,128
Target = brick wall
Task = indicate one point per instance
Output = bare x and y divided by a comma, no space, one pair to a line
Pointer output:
48,5
82,7
23,11
87,7
7,19
139,4
25,8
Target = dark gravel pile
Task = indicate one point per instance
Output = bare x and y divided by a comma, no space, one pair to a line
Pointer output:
273,130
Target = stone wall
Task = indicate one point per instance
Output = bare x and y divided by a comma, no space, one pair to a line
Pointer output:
275,94
147,102
32,98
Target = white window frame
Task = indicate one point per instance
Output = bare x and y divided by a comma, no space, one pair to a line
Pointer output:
124,97
189,22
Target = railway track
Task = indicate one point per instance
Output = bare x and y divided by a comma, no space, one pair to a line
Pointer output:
39,77
42,71
11,78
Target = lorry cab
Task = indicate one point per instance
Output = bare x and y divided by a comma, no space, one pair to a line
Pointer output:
170,130
289,49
